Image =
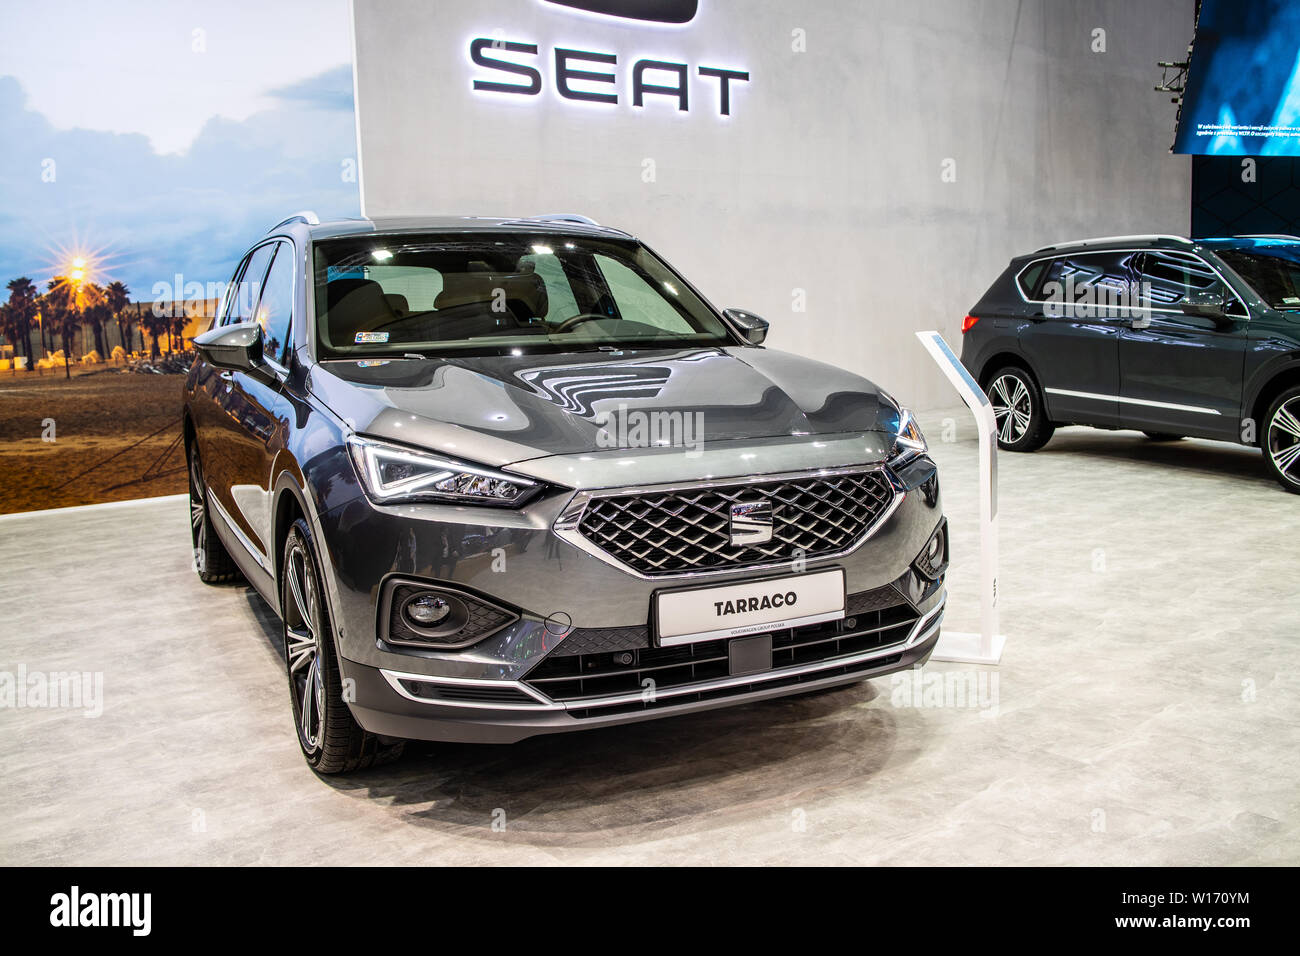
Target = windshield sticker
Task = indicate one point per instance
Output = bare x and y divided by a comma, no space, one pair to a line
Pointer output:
371,338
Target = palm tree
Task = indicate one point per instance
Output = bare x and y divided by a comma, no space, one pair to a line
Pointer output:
116,297
23,300
95,311
155,325
9,329
62,312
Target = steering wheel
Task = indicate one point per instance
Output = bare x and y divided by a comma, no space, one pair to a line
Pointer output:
575,320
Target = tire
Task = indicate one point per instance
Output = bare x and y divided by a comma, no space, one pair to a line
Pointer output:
1280,440
330,738
1018,407
212,561
1163,436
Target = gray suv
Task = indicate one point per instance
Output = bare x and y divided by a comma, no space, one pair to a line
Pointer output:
502,478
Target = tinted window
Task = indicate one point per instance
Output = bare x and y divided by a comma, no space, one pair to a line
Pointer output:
1168,280
1028,279
1273,272
275,308
250,283
1095,278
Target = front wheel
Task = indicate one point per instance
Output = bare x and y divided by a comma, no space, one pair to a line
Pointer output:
1018,408
1281,440
331,739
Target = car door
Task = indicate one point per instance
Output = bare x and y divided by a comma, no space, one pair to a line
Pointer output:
259,407
1072,338
1181,369
229,437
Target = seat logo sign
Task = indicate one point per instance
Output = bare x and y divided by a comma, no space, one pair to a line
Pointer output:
751,523
653,11
517,67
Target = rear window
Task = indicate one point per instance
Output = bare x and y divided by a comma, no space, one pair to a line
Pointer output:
1029,278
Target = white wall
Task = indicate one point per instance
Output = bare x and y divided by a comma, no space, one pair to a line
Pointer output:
827,175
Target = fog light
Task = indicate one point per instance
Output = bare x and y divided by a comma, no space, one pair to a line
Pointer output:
428,610
933,557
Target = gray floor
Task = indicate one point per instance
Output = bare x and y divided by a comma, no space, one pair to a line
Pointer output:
1147,709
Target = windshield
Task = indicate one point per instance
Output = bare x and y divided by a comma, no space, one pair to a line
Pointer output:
491,294
1272,271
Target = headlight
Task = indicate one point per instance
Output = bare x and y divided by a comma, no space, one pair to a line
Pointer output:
908,442
392,473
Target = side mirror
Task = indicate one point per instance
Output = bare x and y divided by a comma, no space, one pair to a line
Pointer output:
237,347
1208,305
752,328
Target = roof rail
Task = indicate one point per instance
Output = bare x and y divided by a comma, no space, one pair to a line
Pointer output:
1268,235
307,216
1099,240
563,217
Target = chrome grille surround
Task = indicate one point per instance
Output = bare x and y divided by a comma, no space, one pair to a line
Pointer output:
667,531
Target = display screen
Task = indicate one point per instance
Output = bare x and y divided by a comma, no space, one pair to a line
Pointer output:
1243,85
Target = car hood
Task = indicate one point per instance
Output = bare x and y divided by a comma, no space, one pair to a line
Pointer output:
503,409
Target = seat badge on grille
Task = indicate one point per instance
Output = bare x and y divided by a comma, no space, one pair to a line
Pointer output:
751,523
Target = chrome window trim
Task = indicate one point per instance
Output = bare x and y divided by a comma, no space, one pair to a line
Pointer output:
921,632
566,525
1131,308
1125,400
262,561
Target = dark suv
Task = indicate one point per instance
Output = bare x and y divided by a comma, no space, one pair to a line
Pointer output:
512,477
1170,336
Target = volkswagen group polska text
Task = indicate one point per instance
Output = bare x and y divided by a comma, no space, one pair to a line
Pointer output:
398,432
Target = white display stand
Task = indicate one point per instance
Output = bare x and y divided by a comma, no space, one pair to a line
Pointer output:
986,646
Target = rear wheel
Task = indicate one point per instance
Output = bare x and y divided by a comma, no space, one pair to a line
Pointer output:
331,739
1163,436
1281,440
211,559
1018,408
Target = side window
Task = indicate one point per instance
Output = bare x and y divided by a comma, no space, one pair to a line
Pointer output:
1168,281
1028,279
275,307
1095,279
559,293
228,298
250,284
637,301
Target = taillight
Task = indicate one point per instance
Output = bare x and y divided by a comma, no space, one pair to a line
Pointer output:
968,323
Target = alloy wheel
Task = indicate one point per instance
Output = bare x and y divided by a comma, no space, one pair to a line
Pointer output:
1012,407
198,506
1283,440
303,632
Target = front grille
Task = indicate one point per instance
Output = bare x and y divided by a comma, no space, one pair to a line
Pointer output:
668,532
578,678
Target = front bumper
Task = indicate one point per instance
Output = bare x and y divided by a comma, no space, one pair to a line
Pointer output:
565,593
387,706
